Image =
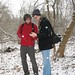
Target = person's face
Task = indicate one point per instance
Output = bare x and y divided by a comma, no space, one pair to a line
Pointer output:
28,20
37,17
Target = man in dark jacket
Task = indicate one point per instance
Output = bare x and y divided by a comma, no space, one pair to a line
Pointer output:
27,43
45,40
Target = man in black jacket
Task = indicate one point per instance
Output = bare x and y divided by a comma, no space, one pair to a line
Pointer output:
45,40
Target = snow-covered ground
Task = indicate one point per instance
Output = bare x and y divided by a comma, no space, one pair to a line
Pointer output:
10,63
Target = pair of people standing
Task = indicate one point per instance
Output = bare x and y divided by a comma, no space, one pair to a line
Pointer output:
28,36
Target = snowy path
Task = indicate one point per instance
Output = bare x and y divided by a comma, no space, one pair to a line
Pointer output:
10,63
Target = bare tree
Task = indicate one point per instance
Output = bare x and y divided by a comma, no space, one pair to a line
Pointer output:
5,25
67,34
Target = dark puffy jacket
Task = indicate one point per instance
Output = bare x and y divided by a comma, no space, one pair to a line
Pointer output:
44,35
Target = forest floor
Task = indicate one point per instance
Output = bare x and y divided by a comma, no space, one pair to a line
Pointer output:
10,62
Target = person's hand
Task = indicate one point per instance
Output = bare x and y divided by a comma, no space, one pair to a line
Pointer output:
33,34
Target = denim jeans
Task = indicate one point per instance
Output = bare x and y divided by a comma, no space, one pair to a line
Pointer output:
46,62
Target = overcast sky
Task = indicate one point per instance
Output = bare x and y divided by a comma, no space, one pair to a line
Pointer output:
14,5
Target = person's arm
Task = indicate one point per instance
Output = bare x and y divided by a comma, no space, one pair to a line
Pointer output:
50,26
19,34
46,30
41,35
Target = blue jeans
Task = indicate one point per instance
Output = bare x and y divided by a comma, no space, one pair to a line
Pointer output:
46,62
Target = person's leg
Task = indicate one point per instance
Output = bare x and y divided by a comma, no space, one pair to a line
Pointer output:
46,62
23,52
31,54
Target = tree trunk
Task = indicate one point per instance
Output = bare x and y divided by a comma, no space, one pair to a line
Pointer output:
66,37
48,12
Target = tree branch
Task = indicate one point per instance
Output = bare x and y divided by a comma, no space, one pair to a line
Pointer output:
35,2
6,33
39,5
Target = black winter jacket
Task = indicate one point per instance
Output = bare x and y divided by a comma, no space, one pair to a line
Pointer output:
44,35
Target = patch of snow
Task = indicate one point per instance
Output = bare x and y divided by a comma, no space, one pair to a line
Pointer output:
10,63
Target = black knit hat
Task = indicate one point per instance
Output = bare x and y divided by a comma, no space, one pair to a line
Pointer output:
26,16
36,12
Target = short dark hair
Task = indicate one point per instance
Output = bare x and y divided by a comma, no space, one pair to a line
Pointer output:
26,16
